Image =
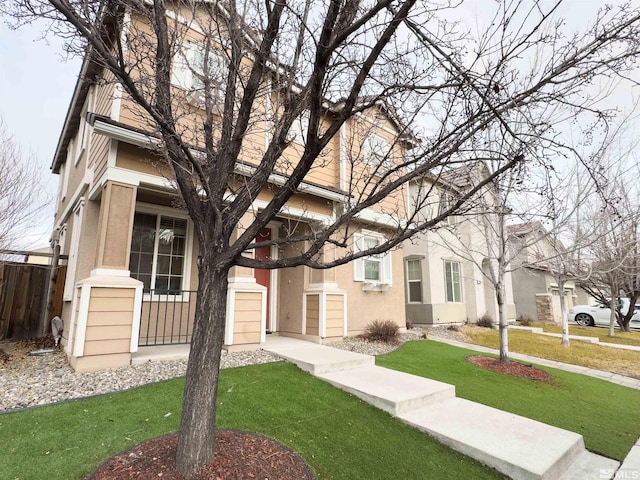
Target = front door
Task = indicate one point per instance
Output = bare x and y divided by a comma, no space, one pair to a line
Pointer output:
262,276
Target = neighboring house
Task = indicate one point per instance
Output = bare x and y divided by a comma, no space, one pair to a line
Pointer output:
444,270
132,253
535,287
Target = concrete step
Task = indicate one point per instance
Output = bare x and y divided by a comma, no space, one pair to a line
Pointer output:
392,391
630,468
519,447
589,466
318,359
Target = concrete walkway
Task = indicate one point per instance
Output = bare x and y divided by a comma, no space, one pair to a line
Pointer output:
516,446
579,338
591,372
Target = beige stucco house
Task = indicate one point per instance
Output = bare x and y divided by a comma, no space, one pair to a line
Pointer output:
132,267
535,287
444,278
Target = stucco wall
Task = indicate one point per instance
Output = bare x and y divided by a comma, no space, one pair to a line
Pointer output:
526,284
364,307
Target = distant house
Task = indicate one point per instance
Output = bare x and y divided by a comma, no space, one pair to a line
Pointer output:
444,280
132,268
535,289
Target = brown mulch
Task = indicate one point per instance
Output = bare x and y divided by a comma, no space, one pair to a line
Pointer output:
512,368
11,351
40,343
239,456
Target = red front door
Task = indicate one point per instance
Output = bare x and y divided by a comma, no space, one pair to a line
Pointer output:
263,277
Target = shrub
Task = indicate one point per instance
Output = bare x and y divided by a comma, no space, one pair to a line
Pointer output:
381,331
485,321
453,328
525,320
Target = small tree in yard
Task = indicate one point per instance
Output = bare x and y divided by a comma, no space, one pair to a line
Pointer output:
327,63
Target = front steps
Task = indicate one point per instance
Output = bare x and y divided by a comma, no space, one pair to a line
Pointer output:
516,446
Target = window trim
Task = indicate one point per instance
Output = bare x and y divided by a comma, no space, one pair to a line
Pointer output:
84,129
445,202
185,60
451,261
376,165
408,281
386,265
160,210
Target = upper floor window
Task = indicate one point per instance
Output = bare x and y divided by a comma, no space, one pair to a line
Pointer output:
159,252
375,268
414,281
192,64
447,201
299,128
453,281
377,153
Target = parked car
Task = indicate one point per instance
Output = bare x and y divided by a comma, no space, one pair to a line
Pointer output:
599,314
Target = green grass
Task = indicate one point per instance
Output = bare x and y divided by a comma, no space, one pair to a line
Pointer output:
338,436
623,338
600,357
607,415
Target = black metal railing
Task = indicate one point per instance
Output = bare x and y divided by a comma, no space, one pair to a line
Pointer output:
167,317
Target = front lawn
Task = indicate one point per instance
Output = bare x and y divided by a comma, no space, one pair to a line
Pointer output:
339,436
610,359
607,415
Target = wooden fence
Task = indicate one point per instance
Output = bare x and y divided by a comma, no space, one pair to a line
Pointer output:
23,299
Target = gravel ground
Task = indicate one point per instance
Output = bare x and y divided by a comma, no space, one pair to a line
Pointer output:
37,380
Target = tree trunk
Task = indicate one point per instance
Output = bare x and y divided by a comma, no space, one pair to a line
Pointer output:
504,326
563,315
613,307
196,440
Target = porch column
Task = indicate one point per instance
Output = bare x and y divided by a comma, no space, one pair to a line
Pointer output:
106,307
245,326
324,304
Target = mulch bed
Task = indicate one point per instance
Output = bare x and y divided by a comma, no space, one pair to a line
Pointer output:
512,368
239,456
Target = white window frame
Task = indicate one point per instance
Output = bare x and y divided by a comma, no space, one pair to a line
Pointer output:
447,199
386,271
299,128
161,211
418,281
185,71
446,289
84,128
74,246
378,153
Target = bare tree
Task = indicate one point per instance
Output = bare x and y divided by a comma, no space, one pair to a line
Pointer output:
21,197
328,63
614,255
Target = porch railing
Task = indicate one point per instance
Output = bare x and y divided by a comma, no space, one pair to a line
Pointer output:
167,317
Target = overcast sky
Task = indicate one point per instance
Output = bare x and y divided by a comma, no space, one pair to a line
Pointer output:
36,85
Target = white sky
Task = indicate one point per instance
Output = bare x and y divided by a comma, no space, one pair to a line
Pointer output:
36,85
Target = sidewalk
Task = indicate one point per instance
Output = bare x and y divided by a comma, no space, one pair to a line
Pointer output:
591,372
579,338
522,448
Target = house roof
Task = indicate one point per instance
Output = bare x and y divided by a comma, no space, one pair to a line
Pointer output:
525,228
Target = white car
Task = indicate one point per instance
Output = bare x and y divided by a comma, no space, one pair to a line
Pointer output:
599,314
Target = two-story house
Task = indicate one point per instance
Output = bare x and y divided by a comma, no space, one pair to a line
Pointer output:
447,270
133,256
535,280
